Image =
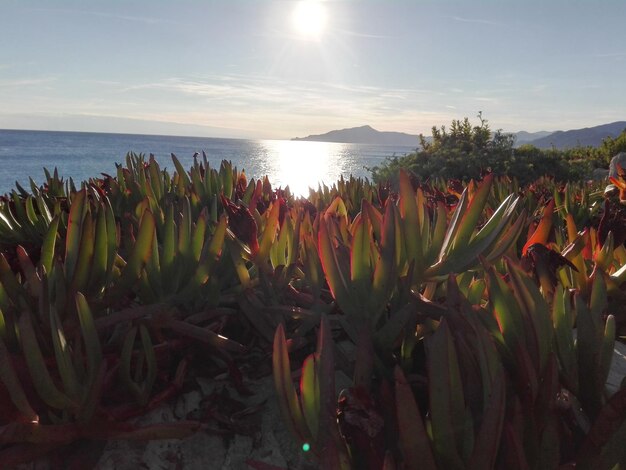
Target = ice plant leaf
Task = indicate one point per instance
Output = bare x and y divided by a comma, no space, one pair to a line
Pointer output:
588,349
112,241
42,380
577,240
542,232
170,242
184,232
333,454
414,442
604,256
63,356
606,349
438,233
143,245
49,243
565,348
598,301
446,398
462,257
28,268
72,239
213,251
242,223
389,333
385,273
336,274
471,216
536,312
90,337
99,264
151,365
411,222
126,360
205,335
505,310
9,379
447,245
506,239
197,236
488,439
85,252
287,397
269,231
183,177
360,260
310,394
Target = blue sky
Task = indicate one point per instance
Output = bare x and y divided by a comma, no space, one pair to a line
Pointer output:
243,69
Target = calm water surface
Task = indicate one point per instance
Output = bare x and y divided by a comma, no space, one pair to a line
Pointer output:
82,155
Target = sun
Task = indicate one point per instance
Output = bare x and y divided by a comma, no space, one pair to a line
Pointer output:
309,19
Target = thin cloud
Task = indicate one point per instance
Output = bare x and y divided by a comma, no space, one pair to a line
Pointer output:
485,99
134,19
260,89
363,35
243,99
26,82
610,55
130,18
476,20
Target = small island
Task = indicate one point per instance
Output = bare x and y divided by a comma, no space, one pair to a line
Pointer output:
364,135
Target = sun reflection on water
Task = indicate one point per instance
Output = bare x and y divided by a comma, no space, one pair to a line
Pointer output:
302,165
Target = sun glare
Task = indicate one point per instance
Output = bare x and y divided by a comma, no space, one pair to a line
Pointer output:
302,165
309,19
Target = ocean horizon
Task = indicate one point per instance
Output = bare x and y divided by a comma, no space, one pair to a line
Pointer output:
82,155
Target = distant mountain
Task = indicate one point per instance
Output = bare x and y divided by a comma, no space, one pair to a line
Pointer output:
592,136
365,135
523,137
589,136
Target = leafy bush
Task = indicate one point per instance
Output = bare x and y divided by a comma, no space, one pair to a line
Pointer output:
465,152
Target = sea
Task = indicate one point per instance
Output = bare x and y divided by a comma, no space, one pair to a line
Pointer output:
81,155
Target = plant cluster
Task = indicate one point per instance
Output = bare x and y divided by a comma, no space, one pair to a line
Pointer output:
452,307
464,152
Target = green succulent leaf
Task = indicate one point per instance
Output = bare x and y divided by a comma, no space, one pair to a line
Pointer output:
42,380
505,310
63,356
90,337
336,272
446,398
562,318
310,394
143,246
269,232
385,272
414,442
287,397
9,379
411,222
78,209
49,244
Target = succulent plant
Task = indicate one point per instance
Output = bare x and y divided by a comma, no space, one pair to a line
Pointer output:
474,345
